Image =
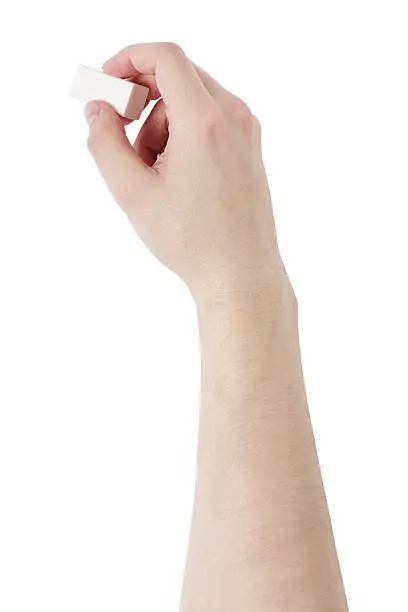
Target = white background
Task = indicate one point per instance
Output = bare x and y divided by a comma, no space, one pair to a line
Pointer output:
98,343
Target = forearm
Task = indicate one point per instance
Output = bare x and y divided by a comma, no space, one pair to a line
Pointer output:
261,536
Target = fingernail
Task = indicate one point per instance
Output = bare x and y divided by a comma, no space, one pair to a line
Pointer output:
91,112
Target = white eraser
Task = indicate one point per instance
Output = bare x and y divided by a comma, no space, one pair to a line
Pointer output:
127,98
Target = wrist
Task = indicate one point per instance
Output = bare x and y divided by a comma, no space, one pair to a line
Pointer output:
249,338
244,316
261,288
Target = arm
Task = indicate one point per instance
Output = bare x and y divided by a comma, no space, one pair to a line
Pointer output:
261,536
193,186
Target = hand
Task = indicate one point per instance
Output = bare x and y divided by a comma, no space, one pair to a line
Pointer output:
193,184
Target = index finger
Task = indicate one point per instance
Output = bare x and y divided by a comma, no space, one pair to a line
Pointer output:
165,66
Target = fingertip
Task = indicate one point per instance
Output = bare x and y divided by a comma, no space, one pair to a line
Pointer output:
91,111
96,108
107,66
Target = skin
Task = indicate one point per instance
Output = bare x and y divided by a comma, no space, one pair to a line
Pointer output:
194,188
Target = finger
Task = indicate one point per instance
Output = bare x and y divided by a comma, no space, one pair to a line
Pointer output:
176,79
213,87
225,97
147,80
124,172
153,135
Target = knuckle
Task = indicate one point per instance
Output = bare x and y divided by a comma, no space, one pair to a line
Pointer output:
127,50
212,120
172,48
240,111
256,124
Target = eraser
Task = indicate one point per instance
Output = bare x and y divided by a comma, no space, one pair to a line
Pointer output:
127,98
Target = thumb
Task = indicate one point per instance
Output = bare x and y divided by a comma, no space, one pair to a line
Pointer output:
125,174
